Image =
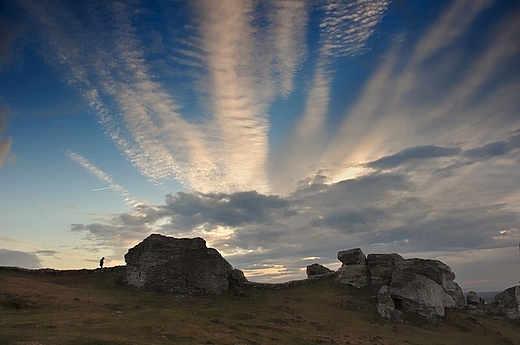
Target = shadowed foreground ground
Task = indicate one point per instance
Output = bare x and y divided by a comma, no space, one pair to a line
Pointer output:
88,308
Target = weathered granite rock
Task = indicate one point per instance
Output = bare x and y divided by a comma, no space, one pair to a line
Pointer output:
353,271
383,296
381,267
317,270
474,304
472,298
455,291
419,294
352,256
433,269
506,304
437,271
389,313
386,306
177,265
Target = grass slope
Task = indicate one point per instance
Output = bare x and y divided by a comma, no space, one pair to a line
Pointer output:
89,309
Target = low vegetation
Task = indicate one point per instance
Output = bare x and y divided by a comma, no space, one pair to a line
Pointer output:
89,309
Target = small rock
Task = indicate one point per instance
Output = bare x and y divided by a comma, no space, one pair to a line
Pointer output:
462,327
472,298
352,303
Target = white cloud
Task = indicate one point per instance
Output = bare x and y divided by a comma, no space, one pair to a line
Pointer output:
290,22
236,95
347,25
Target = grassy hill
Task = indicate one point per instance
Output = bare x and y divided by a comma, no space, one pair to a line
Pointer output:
89,309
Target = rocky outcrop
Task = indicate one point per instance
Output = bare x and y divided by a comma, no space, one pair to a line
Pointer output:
354,270
506,304
424,287
178,265
317,270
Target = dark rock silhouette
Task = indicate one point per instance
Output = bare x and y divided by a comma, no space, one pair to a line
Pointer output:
317,270
179,265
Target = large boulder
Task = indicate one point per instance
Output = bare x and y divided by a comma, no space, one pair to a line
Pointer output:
505,304
178,265
352,256
381,267
419,294
353,271
437,271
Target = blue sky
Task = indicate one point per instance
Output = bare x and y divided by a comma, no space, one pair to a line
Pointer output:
279,131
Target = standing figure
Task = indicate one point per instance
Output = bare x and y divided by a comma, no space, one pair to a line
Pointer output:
101,262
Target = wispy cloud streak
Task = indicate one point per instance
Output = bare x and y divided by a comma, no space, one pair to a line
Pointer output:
289,34
406,105
102,176
345,30
157,132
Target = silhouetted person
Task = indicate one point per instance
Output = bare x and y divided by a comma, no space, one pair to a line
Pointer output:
101,262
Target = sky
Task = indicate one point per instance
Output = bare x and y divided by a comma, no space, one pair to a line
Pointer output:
279,131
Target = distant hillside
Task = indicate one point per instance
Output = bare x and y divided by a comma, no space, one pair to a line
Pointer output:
86,307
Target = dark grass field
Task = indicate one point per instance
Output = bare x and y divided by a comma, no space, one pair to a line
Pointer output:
89,309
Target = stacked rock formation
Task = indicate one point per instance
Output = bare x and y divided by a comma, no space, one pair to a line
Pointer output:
424,287
354,270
